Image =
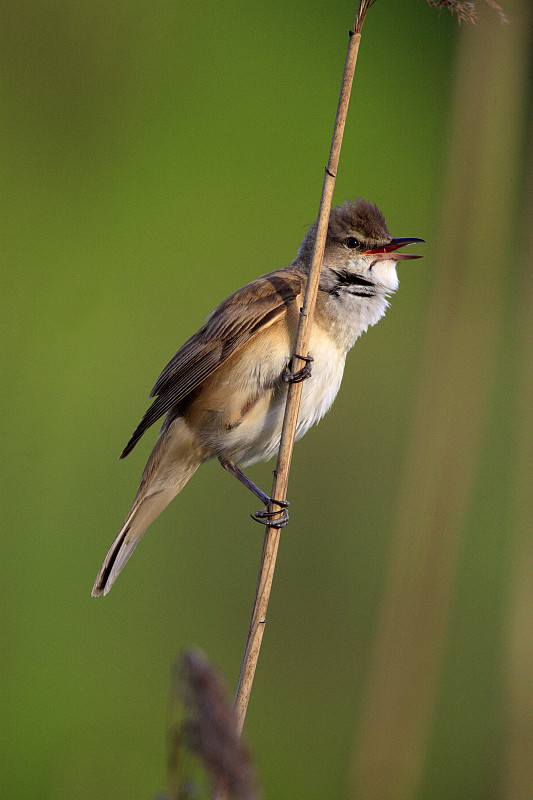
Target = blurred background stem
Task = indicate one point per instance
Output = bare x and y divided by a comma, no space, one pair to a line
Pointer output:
466,314
518,771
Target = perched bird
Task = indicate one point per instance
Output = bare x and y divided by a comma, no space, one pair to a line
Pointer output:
224,392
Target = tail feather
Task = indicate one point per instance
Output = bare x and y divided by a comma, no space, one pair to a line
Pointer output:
174,460
143,513
115,560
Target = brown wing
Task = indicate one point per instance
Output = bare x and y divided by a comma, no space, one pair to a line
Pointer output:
233,323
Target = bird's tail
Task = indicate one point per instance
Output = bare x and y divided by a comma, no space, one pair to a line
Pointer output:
173,461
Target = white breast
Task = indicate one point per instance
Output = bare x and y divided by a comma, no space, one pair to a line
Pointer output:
320,390
258,437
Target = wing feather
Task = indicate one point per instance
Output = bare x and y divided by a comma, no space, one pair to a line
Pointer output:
233,323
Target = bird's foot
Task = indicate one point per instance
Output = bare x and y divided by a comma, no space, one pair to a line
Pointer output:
264,516
301,374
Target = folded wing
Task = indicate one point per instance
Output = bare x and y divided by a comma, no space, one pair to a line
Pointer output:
231,325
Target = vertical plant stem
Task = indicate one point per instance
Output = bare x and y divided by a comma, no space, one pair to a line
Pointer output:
281,474
518,646
450,421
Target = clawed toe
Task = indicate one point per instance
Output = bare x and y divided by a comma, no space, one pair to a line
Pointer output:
264,516
301,374
297,377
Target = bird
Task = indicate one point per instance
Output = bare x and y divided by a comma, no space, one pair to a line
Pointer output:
224,392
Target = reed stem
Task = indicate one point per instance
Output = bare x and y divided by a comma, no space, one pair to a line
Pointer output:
281,474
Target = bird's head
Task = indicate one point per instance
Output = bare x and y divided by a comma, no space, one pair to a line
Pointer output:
359,248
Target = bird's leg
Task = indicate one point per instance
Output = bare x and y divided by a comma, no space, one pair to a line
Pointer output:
301,374
263,516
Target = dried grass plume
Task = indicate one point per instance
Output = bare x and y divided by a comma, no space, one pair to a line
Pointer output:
207,730
466,11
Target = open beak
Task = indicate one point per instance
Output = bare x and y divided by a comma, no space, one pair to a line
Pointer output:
383,253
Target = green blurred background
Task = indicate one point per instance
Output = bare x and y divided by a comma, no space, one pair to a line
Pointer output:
157,157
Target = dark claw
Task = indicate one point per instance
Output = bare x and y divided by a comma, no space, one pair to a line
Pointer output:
301,374
298,377
280,503
264,514
264,517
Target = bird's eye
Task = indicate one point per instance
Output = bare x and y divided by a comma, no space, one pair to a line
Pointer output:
351,243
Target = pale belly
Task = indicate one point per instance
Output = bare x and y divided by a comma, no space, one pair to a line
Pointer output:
257,437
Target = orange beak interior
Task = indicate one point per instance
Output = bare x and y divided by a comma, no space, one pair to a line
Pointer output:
383,253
